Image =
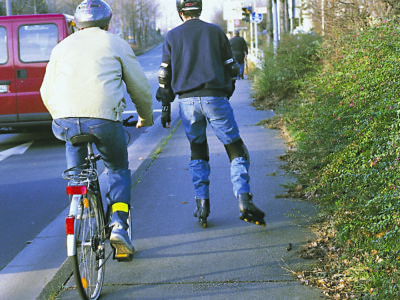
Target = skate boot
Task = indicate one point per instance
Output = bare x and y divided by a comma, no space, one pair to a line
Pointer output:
248,211
202,211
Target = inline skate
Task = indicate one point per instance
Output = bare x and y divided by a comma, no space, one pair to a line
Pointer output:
248,211
202,211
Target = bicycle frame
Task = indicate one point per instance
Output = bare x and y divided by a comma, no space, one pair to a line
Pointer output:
79,191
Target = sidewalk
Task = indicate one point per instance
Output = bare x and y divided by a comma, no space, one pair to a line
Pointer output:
177,259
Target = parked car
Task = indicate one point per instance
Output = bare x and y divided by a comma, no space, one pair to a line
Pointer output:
26,42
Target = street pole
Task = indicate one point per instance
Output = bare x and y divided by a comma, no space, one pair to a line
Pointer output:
8,8
255,28
276,25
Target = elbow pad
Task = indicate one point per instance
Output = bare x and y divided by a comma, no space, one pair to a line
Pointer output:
232,67
164,76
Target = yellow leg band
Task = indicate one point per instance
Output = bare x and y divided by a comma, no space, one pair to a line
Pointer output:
120,206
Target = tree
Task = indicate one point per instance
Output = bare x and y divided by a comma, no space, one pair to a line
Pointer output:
393,6
20,7
283,16
218,19
133,20
2,9
270,22
333,17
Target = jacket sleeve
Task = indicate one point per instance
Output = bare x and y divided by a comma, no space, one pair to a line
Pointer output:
137,85
47,84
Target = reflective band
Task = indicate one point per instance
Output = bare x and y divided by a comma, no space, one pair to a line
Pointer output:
120,206
228,61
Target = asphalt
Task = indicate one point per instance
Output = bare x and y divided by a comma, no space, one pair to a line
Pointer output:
178,259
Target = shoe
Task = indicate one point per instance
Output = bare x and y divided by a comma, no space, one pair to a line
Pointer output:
202,211
121,243
248,211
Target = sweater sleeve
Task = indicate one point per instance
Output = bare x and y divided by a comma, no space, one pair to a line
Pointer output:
137,85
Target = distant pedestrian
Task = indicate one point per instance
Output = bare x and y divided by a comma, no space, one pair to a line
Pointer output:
198,66
240,51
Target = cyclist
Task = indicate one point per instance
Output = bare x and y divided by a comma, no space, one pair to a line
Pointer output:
240,51
84,93
198,66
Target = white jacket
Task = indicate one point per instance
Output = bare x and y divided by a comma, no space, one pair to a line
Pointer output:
85,75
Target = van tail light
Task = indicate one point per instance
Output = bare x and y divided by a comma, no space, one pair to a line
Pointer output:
77,190
69,224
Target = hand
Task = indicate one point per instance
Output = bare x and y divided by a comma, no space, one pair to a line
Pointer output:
166,116
139,123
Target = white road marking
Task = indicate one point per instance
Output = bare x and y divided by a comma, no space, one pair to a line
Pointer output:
21,149
135,112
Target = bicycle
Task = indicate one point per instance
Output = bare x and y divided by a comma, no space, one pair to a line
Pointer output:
87,224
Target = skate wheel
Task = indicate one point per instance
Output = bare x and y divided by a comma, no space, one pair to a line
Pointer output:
204,224
257,223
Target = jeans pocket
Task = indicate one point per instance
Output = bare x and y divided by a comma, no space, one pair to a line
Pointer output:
218,108
104,129
59,131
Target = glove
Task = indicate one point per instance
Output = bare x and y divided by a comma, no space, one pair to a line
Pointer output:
166,115
165,95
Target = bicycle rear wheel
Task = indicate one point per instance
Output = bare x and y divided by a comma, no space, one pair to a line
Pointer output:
88,263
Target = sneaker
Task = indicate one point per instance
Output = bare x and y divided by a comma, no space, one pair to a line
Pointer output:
122,244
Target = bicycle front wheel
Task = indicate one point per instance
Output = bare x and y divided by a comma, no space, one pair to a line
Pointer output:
89,261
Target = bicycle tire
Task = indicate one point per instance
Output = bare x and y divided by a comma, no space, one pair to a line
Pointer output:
89,261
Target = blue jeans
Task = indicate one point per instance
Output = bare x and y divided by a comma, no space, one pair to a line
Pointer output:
195,112
241,71
113,149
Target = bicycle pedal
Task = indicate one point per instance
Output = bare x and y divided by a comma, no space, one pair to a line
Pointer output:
124,257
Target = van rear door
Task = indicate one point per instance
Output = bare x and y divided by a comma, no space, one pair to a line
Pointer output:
32,49
8,103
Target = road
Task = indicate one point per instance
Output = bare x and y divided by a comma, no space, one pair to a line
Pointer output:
32,192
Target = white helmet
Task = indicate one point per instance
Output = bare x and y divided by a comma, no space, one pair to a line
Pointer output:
93,13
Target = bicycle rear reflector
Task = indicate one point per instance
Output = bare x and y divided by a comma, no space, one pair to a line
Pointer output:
77,190
69,225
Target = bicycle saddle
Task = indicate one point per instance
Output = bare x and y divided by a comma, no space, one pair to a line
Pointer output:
83,138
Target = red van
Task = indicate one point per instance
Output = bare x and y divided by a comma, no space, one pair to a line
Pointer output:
26,42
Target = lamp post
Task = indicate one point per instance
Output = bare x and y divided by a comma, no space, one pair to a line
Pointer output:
8,8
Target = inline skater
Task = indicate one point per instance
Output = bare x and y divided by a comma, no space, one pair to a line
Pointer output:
83,91
198,66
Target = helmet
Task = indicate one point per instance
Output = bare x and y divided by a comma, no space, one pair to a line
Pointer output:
189,5
93,13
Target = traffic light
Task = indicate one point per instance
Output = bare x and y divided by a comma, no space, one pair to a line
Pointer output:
246,12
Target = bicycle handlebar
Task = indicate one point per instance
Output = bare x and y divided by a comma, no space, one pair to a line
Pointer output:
128,123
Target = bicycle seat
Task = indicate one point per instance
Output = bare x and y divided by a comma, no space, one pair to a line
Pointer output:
83,139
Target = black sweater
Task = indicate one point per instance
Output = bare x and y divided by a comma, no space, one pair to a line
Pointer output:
196,52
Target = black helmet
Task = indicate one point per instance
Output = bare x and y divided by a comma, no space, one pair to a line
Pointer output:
93,13
189,5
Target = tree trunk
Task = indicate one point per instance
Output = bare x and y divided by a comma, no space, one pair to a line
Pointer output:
282,16
270,22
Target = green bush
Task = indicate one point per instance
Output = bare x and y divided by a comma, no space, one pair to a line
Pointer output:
296,56
346,125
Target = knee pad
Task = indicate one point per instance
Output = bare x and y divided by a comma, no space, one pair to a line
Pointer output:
199,150
237,149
